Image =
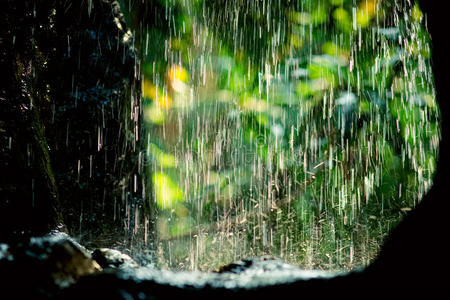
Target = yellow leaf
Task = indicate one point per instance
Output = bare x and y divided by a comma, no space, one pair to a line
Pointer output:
150,91
366,12
177,72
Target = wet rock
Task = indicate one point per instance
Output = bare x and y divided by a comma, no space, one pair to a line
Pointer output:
57,267
260,277
4,252
262,264
44,265
110,258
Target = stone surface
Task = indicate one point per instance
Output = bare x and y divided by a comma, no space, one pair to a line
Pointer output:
56,266
4,252
260,277
111,258
44,265
247,274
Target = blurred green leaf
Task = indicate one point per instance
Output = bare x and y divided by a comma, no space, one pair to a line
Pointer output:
167,193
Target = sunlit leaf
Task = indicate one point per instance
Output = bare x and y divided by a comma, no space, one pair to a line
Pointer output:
302,18
154,114
167,193
343,18
177,72
161,98
165,160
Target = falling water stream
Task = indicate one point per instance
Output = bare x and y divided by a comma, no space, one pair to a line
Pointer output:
298,129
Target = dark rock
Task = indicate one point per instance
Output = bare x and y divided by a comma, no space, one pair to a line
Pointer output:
57,266
110,258
259,277
265,264
4,252
44,265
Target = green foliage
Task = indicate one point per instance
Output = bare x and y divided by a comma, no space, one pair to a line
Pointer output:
307,140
